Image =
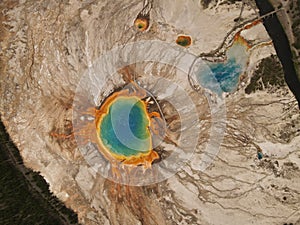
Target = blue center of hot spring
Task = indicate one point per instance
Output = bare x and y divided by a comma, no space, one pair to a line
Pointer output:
124,129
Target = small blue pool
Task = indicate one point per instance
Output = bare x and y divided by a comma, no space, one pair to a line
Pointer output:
224,76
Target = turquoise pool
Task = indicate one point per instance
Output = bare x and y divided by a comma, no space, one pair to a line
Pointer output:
224,76
124,130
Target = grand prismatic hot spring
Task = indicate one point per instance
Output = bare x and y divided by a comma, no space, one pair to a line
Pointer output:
125,127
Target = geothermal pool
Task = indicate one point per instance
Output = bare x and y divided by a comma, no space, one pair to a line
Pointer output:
224,76
124,129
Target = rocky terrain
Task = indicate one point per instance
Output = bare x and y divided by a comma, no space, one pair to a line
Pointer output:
49,47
